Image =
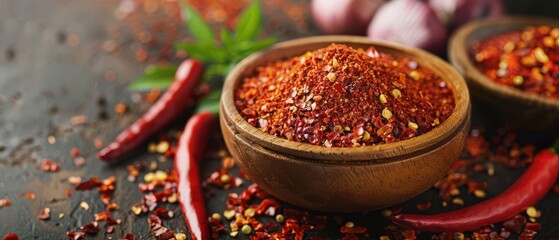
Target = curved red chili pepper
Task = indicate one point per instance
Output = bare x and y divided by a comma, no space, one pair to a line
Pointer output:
190,150
173,102
536,181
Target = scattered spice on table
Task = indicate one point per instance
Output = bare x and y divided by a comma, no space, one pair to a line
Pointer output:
341,97
5,202
526,59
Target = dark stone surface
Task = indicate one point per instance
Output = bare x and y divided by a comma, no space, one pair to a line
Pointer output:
44,82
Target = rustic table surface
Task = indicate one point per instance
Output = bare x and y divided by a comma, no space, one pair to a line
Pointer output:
56,62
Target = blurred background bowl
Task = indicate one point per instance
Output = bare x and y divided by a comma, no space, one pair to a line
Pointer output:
518,108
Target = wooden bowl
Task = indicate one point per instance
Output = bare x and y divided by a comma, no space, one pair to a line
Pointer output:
511,105
344,179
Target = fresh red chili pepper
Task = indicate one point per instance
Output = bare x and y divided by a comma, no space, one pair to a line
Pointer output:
164,111
190,150
11,236
536,181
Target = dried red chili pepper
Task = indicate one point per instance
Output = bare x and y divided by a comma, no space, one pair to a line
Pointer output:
190,150
536,181
11,236
164,111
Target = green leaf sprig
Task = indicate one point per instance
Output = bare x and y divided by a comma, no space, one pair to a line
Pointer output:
219,55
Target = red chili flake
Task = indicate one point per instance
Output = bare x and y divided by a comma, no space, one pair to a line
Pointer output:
533,226
102,216
112,207
322,104
30,196
223,179
216,227
68,192
5,202
353,230
92,227
75,152
515,224
73,235
11,236
128,236
48,165
98,143
423,206
163,213
111,221
89,184
44,214
109,229
78,120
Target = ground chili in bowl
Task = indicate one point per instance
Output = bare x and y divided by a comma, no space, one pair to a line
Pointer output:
389,166
339,96
511,65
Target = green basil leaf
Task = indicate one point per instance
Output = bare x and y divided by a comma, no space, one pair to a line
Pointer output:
210,102
250,47
196,24
226,39
155,77
204,52
249,23
216,70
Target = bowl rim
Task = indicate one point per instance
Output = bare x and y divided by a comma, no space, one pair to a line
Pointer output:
379,153
458,54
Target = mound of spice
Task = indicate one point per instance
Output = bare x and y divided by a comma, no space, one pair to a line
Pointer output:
527,60
339,96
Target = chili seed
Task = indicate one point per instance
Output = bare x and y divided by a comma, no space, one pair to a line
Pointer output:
162,147
349,224
317,98
229,214
382,99
458,236
479,193
136,209
160,175
509,47
386,113
246,229
331,77
541,56
280,218
384,238
216,216
518,80
234,234
386,213
60,215
413,126
180,236
414,75
172,198
366,136
458,201
84,205
250,212
225,179
149,177
335,63
532,212
396,93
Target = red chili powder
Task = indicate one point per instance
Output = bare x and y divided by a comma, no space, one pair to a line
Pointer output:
339,96
527,60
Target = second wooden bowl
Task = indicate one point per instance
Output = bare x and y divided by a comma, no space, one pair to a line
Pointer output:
344,179
510,105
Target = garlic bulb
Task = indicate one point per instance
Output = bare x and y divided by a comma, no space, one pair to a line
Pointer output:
410,22
344,16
